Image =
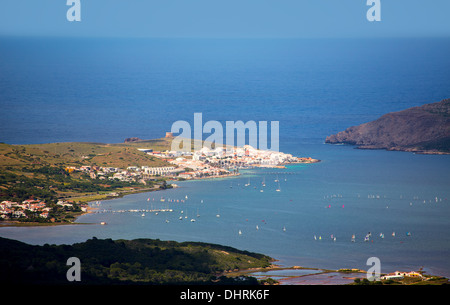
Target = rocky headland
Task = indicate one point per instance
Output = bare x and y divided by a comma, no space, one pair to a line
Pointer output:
423,129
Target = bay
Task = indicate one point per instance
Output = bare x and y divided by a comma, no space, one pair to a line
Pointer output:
105,90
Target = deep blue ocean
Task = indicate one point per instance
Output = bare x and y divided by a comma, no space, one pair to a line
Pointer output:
106,90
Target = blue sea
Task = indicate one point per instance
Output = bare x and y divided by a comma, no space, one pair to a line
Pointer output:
106,90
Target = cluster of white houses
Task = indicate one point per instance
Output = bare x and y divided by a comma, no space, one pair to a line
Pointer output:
208,162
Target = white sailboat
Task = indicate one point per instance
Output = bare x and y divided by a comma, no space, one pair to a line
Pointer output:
284,229
278,189
240,232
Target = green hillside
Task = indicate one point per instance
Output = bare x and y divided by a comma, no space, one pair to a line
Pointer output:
143,261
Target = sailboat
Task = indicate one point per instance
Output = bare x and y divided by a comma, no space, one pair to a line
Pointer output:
240,232
257,227
276,180
264,181
381,235
353,238
278,189
218,214
143,214
284,229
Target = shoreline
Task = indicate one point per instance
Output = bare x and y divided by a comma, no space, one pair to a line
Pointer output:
317,276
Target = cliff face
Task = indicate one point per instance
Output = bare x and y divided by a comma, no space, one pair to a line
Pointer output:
424,129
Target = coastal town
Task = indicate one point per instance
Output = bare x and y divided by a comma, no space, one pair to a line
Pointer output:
204,163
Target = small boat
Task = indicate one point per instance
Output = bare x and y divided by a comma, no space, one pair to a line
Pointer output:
284,229
240,232
393,234
366,238
257,228
143,215
103,223
381,235
408,233
181,218
315,238
353,238
167,221
262,191
192,220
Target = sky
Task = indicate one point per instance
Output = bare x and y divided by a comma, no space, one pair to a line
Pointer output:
226,18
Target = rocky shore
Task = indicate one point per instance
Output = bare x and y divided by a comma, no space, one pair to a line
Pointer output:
423,129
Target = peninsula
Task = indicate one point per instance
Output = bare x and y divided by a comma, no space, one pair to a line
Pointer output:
52,183
424,129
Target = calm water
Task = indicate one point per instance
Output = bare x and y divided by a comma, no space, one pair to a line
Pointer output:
107,90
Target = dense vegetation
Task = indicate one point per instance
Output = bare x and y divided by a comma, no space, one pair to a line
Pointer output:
142,261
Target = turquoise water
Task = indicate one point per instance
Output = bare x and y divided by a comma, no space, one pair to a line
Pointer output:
106,90
350,192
